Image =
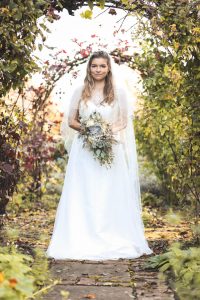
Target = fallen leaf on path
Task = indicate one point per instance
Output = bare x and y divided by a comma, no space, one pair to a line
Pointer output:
90,296
64,294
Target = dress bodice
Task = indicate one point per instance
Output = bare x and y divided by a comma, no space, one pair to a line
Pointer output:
115,113
108,112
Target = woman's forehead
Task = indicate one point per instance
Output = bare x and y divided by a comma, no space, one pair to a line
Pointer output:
99,61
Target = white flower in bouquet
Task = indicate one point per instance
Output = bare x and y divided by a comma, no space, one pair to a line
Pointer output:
90,123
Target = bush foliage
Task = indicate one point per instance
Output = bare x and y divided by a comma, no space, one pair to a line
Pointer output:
184,275
21,276
168,123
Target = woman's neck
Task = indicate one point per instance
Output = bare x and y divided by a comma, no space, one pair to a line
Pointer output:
99,85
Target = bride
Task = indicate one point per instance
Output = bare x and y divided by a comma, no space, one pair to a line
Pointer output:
99,213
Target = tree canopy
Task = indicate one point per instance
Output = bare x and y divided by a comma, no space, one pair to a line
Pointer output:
19,28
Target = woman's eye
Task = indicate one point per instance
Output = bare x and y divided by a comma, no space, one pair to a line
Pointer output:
102,66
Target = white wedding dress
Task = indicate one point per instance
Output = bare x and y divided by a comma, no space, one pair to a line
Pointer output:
96,218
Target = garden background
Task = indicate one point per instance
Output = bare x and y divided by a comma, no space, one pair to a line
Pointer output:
163,49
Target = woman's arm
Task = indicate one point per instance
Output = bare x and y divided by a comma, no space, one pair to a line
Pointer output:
73,121
73,117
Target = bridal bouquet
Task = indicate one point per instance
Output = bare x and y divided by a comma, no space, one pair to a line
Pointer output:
98,138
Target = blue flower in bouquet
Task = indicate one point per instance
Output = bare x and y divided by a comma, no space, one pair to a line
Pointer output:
95,129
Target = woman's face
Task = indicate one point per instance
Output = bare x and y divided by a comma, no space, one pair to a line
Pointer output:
99,68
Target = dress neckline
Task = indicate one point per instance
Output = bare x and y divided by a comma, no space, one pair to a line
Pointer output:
100,105
97,105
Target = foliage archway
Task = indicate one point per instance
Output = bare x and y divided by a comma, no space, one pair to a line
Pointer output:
169,65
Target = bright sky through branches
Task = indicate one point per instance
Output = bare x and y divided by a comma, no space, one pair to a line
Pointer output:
68,28
64,30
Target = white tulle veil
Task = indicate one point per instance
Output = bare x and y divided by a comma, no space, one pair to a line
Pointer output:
127,135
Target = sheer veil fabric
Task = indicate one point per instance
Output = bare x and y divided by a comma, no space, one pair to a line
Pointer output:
127,135
99,212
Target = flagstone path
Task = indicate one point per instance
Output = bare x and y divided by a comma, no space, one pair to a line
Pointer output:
102,280
121,279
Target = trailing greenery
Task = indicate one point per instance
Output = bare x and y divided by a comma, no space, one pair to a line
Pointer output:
21,276
182,269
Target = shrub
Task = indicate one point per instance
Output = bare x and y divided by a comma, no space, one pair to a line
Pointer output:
21,275
184,268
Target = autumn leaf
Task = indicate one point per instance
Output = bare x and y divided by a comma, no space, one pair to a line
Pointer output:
112,11
90,296
13,282
86,14
1,277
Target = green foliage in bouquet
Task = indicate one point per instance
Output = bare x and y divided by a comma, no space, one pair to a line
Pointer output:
182,268
98,138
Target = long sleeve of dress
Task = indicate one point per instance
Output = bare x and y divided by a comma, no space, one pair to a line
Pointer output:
120,121
73,113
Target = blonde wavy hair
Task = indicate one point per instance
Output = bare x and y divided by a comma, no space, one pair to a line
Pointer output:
108,90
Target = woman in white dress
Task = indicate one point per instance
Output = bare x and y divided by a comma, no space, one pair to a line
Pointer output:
99,213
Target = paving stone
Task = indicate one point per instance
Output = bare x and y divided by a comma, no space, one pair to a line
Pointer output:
119,261
106,272
86,281
148,284
81,292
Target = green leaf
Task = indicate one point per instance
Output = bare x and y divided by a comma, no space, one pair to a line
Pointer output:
102,4
165,267
90,4
195,148
18,16
87,14
98,152
40,47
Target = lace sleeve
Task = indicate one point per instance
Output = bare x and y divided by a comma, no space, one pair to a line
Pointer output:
121,119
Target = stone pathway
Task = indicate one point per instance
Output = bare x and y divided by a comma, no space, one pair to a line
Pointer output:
148,284
101,280
121,279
